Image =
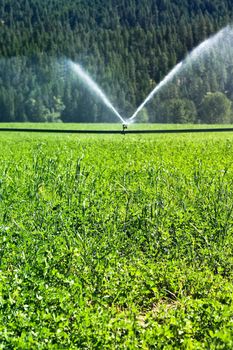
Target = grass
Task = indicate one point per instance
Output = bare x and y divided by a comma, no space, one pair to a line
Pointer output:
116,242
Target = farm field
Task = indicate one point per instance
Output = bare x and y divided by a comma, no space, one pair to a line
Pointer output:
116,242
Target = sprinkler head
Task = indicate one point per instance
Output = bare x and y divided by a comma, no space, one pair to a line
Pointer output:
124,127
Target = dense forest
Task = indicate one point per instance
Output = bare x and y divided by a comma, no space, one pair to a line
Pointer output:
127,46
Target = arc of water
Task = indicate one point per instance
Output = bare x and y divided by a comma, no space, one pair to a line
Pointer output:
94,87
200,49
158,87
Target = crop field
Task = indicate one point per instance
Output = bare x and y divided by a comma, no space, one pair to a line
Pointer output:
116,242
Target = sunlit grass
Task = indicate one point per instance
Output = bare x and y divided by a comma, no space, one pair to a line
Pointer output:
119,242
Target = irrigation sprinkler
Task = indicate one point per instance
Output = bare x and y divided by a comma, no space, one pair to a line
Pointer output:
123,131
124,128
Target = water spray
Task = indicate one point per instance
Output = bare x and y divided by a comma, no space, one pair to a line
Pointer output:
197,52
200,50
92,85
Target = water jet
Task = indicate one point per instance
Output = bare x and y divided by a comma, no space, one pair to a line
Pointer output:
92,85
192,57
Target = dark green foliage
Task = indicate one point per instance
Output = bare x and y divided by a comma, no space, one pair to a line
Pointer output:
216,109
127,46
176,111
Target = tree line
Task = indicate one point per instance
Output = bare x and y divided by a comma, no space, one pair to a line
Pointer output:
126,46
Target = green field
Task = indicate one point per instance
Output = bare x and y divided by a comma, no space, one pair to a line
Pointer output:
116,242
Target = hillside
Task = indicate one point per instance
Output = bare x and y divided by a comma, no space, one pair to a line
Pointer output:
127,46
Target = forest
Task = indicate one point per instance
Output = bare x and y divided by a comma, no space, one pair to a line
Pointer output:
127,47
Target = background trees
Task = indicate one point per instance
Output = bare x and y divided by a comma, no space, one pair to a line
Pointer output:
216,108
176,111
127,46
